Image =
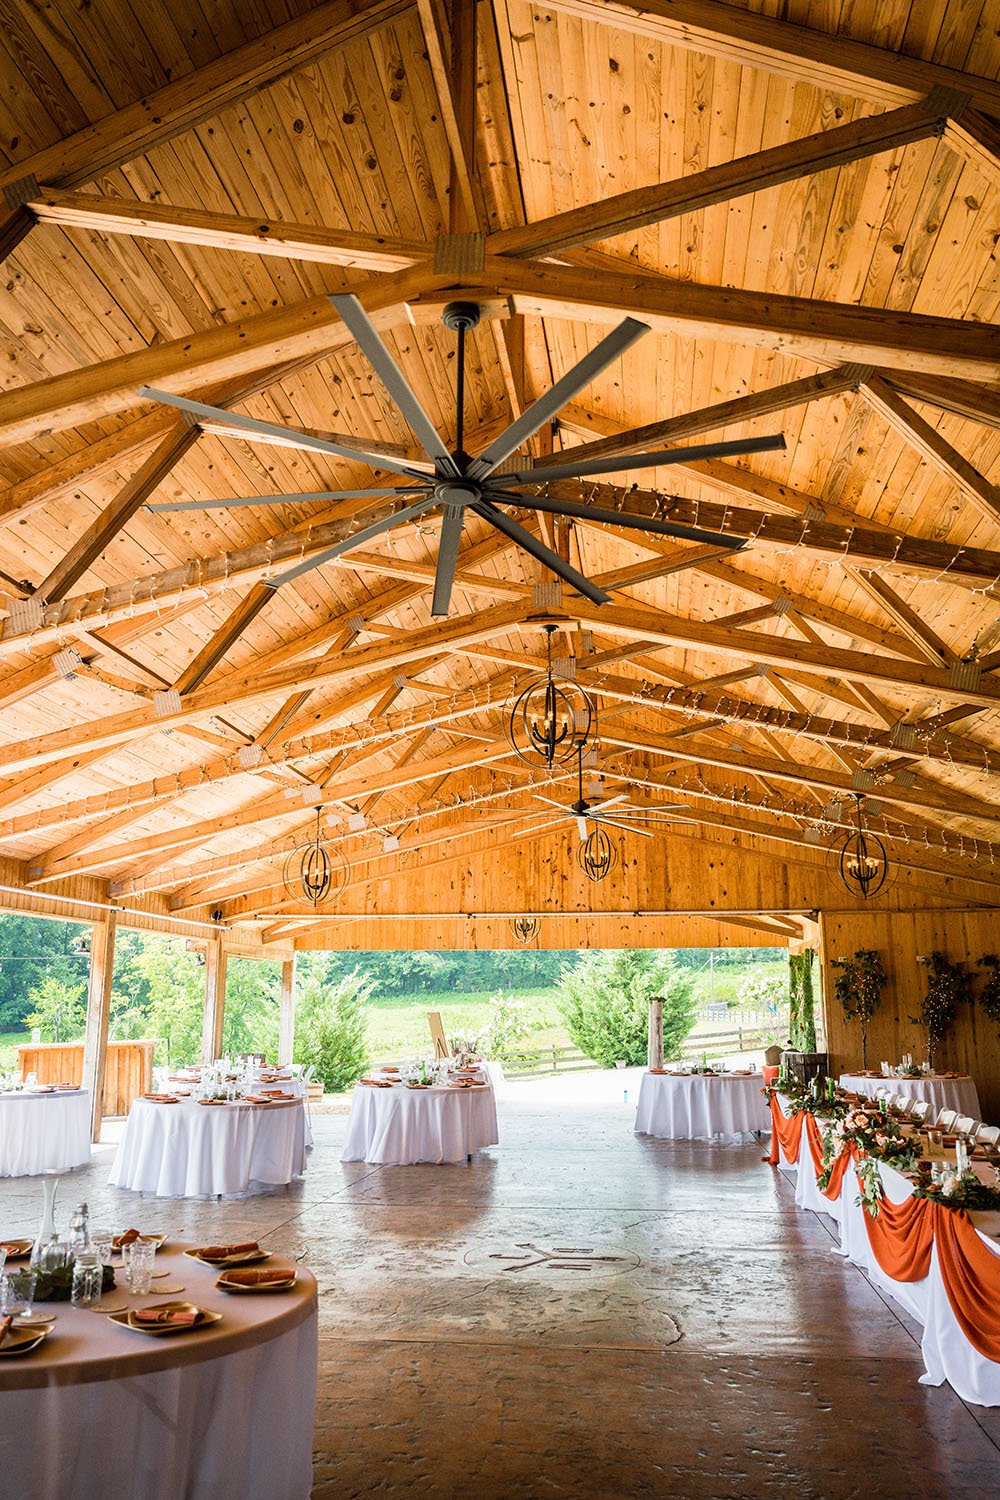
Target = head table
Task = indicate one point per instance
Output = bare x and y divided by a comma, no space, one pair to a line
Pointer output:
949,1354
698,1106
44,1131
193,1150
226,1410
397,1126
941,1090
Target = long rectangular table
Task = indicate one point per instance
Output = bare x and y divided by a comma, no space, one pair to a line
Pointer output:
948,1353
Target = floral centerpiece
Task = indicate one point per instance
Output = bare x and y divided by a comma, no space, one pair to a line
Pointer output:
820,1097
960,1190
876,1137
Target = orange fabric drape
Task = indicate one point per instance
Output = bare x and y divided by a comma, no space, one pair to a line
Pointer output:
786,1133
901,1237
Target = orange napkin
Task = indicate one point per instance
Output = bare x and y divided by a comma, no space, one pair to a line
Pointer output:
256,1099
259,1278
11,1250
6,1324
160,1317
222,1252
375,1083
161,1098
127,1237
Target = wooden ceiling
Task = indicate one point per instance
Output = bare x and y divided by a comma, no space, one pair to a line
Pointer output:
809,227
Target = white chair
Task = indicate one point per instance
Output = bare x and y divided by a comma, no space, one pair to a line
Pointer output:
305,1078
946,1119
918,1108
989,1135
963,1124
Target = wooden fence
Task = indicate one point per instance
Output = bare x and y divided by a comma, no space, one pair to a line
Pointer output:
522,1062
129,1069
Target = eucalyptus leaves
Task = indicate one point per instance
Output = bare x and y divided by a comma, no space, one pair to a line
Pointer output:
859,989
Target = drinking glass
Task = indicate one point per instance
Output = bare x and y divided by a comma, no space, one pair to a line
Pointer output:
137,1259
17,1293
936,1139
102,1241
88,1276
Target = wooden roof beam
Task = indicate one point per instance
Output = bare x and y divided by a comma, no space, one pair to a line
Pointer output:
910,621
963,398
624,213
824,61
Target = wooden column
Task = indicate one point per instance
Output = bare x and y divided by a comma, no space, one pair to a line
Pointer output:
286,1019
95,1042
215,1000
654,1045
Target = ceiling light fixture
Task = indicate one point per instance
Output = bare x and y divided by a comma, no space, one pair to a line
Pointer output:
316,870
552,717
864,864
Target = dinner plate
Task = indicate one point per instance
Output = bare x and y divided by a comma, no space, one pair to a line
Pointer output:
17,1249
247,1258
147,1239
268,1286
125,1319
22,1340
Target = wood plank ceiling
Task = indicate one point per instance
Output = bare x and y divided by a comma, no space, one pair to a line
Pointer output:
809,226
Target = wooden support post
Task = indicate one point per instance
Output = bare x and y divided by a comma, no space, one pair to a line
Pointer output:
286,1020
215,1000
95,1043
654,1044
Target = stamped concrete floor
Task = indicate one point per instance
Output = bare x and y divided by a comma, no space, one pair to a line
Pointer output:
581,1312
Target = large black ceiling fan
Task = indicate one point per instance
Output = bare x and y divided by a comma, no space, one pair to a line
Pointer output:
456,482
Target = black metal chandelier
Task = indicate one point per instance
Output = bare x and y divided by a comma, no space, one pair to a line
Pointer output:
316,870
552,717
597,855
864,864
524,929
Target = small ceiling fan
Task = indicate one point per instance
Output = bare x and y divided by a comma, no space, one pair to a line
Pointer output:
456,482
625,817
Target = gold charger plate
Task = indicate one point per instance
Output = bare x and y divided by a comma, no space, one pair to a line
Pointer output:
268,1286
17,1249
125,1319
247,1258
22,1340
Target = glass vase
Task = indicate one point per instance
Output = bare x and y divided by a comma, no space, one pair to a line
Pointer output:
47,1231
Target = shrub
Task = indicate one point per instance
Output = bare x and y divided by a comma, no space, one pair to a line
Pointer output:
60,1010
762,992
510,1022
331,1030
604,998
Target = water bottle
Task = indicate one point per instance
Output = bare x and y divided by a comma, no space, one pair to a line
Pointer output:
88,1277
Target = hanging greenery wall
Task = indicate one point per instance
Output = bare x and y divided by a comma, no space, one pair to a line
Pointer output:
948,986
801,1001
859,988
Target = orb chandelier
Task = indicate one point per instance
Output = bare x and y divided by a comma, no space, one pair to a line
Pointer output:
316,870
524,929
597,855
864,864
552,717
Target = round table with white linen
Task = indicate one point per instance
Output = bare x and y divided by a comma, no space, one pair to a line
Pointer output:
192,1150
955,1092
697,1106
225,1410
44,1131
398,1126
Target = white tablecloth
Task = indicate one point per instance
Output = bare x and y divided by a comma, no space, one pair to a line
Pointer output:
941,1093
44,1132
191,1150
397,1126
239,1423
690,1107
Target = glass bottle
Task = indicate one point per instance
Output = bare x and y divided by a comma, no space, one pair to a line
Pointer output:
79,1231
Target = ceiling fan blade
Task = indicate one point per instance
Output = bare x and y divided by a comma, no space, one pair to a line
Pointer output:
609,802
543,554
251,426
444,576
524,833
581,828
311,498
370,340
549,404
645,833
398,518
654,460
583,512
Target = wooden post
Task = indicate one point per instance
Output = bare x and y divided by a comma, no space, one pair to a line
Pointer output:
654,1043
286,1019
95,1042
215,1000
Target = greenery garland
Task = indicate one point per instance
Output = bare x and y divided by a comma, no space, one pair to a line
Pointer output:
57,1286
965,1191
877,1136
859,990
989,997
948,986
